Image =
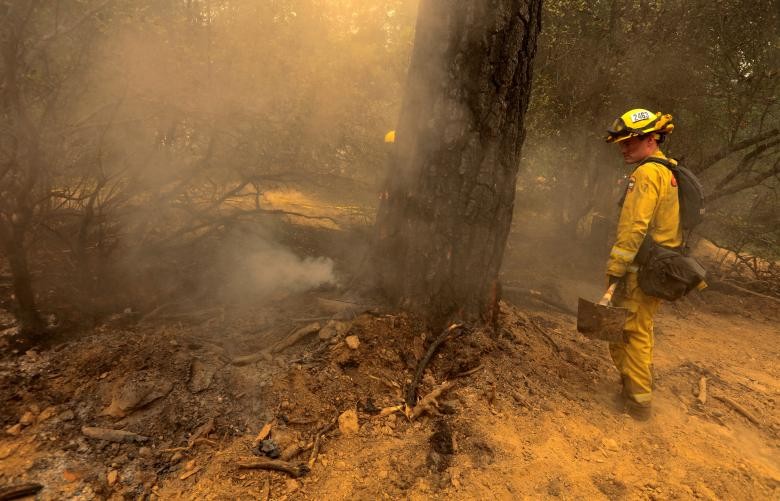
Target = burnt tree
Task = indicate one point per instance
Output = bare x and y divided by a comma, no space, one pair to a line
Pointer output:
447,204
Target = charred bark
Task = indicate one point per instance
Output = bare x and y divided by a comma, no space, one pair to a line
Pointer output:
447,205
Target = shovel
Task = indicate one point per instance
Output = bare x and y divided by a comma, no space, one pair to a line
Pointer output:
602,321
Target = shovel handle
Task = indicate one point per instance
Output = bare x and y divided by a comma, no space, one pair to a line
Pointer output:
606,299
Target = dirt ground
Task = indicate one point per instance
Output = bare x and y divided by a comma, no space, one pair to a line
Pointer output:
530,413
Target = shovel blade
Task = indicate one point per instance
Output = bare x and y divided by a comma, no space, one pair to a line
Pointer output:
604,323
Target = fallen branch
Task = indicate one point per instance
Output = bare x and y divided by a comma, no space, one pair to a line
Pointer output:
702,390
739,409
544,334
263,433
201,432
296,336
112,435
731,285
390,410
317,440
470,371
293,470
17,491
267,488
428,403
411,392
250,359
190,473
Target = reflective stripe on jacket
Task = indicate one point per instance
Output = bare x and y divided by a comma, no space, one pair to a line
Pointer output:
651,207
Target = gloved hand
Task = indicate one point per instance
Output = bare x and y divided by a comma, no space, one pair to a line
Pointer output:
607,298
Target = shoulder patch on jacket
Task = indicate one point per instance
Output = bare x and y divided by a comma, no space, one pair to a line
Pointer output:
631,183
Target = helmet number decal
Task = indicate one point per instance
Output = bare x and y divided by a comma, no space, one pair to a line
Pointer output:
639,116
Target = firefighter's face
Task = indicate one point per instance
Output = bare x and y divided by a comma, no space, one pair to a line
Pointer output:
636,149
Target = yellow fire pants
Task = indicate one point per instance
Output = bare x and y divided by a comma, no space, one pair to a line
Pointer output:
634,357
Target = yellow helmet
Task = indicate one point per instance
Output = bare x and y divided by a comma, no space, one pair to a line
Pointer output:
638,122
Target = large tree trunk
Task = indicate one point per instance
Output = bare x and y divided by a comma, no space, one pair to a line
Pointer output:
447,206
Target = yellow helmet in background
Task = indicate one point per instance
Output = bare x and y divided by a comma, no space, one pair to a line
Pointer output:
638,122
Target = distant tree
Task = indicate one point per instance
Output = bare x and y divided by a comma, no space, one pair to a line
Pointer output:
44,50
447,204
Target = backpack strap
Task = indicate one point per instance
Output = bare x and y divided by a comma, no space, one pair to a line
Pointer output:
666,163
683,249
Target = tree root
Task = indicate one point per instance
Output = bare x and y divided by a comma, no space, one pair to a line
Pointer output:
428,403
315,449
546,336
17,491
411,393
294,470
741,410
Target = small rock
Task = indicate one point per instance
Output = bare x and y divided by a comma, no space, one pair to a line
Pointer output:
610,444
112,477
47,413
177,456
15,429
144,452
352,342
202,375
136,391
27,419
189,465
67,415
348,422
270,448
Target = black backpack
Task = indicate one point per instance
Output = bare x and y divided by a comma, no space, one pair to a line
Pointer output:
689,191
669,273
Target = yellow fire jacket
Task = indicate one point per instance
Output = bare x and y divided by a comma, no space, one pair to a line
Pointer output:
651,207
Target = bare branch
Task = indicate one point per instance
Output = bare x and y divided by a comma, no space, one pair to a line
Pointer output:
729,149
755,181
745,164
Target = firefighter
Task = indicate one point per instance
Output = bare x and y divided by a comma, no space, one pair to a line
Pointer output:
650,209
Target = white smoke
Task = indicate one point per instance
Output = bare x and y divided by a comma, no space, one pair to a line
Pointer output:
270,270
